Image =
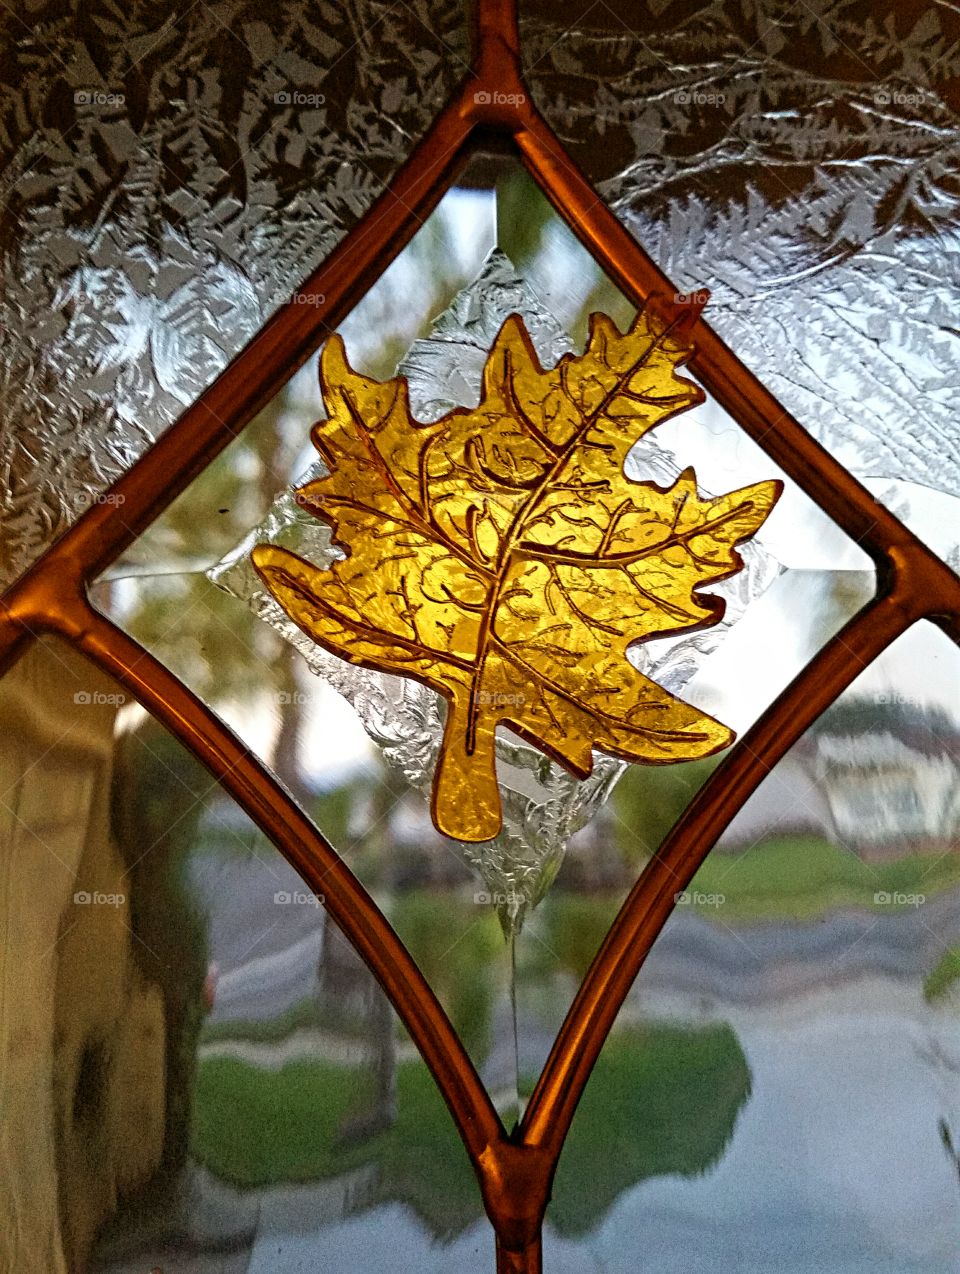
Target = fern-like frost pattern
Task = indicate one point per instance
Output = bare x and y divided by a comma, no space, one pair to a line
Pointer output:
803,162
168,176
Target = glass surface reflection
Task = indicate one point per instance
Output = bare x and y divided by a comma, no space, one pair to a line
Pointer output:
200,1076
198,1072
493,245
796,1030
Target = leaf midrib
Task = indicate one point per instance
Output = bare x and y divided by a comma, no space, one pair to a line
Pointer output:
508,545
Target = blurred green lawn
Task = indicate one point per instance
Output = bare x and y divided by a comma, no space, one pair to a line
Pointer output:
662,1099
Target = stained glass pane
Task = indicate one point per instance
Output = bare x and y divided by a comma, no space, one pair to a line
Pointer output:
359,748
200,1073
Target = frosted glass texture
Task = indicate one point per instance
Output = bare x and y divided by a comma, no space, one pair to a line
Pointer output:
169,175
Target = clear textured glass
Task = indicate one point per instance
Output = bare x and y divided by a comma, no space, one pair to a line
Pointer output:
802,163
169,175
187,590
786,1066
544,805
196,1070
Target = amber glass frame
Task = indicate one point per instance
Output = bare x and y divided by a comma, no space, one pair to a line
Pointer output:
491,108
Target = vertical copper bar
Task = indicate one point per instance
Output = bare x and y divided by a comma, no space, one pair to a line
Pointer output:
527,1261
496,25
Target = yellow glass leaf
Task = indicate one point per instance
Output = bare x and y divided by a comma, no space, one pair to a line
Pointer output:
502,556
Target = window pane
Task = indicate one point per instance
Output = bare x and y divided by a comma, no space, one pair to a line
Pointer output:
197,1071
781,1088
802,163
169,175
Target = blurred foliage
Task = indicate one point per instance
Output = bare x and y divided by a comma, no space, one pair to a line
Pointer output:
791,878
649,799
570,927
155,813
304,1015
459,948
331,809
260,1128
661,1100
533,236
803,877
943,978
523,215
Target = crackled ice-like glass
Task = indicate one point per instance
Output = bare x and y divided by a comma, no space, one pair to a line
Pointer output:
169,175
801,162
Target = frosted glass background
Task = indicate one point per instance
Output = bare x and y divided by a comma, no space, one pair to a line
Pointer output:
803,162
169,174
